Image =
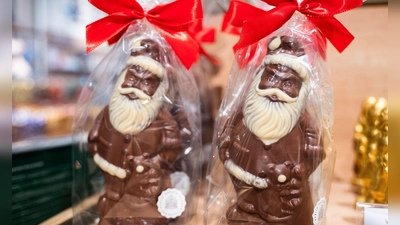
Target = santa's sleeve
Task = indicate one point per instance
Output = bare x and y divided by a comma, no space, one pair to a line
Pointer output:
180,116
172,145
93,136
314,150
224,139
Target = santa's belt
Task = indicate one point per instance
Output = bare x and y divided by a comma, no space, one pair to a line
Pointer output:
245,176
108,167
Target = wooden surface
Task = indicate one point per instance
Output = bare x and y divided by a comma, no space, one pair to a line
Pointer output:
359,72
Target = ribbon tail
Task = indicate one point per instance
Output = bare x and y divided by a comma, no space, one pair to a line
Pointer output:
116,38
182,44
108,28
334,31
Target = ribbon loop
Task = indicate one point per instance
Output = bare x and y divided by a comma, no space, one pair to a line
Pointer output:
255,23
171,20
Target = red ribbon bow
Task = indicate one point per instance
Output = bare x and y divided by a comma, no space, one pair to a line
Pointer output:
171,20
254,24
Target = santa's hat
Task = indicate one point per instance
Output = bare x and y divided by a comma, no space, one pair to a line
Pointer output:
146,53
288,51
149,64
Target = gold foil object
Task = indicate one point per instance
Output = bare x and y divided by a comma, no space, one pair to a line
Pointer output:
371,147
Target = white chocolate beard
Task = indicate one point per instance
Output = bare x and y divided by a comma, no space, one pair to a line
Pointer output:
270,121
133,116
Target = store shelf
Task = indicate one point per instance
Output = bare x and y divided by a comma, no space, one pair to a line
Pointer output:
40,144
43,143
42,177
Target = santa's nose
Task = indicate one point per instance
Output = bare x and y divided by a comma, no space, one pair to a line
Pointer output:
274,97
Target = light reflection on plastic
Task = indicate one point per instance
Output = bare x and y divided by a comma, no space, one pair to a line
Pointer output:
188,150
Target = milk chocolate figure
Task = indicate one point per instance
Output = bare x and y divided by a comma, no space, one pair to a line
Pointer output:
135,140
271,145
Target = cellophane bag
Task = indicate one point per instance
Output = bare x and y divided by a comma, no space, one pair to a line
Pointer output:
203,71
138,131
273,152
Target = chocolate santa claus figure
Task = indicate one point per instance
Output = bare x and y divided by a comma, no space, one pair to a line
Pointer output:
271,145
135,140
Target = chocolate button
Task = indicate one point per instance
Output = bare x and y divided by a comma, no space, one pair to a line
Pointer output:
140,169
127,139
264,159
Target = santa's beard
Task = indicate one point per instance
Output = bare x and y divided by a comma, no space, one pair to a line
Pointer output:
268,120
133,116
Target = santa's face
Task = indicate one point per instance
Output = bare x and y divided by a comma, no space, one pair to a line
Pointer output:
274,102
282,78
141,79
138,95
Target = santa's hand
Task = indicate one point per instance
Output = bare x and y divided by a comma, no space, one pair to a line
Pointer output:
298,171
150,183
142,164
147,176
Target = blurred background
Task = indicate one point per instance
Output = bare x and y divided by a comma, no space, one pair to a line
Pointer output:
50,67
49,64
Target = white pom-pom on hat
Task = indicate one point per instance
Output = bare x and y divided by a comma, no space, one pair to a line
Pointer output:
275,43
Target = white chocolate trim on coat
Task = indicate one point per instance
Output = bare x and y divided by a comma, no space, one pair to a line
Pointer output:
108,167
245,176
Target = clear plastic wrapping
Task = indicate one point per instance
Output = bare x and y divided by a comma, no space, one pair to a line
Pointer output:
210,97
273,152
138,131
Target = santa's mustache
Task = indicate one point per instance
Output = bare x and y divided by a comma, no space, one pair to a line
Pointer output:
141,95
282,96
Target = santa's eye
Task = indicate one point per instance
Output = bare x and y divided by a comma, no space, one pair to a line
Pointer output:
131,77
288,83
271,78
146,82
288,45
